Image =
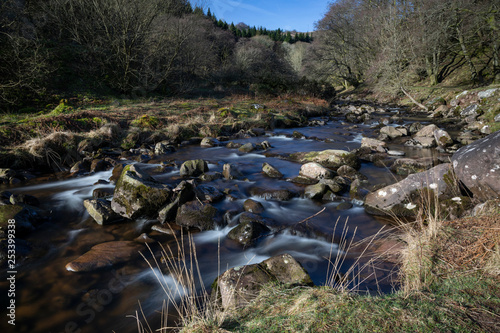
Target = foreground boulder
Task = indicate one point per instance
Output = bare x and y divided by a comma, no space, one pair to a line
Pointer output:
105,255
477,166
138,194
402,199
332,159
239,285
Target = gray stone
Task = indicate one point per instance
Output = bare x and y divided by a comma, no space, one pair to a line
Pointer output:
271,171
247,147
398,199
391,132
315,171
207,193
331,158
253,206
273,194
164,147
79,168
246,233
230,171
193,168
442,138
315,192
477,166
194,214
470,111
497,118
210,176
239,285
138,194
374,144
486,93
101,212
208,142
427,131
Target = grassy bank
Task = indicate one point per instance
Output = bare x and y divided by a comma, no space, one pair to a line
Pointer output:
458,291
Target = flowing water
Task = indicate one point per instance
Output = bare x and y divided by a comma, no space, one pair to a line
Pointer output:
51,299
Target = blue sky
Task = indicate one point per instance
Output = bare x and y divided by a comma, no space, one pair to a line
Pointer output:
271,14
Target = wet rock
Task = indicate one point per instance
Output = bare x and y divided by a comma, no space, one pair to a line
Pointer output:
477,166
273,194
335,185
210,176
304,180
402,198
25,217
497,118
239,285
138,194
194,214
391,132
100,210
144,239
79,168
246,233
208,142
164,147
117,172
344,206
169,212
350,172
247,147
265,145
253,206
316,191
415,127
193,168
102,192
298,135
257,131
233,145
271,171
24,199
230,171
105,255
442,138
357,189
332,159
208,193
374,144
98,165
315,171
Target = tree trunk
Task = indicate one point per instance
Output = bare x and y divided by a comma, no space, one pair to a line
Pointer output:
461,40
420,105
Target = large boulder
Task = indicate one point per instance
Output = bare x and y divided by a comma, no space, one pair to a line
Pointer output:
403,198
239,285
477,166
392,132
331,158
193,168
101,212
194,214
374,144
105,255
138,194
315,171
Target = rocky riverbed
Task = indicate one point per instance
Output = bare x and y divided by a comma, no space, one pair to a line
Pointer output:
265,199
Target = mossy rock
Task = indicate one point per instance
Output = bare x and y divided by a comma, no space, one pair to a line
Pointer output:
331,158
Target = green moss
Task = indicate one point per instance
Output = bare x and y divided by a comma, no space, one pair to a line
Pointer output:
146,121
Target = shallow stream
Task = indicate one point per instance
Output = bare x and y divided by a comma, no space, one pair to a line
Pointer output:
51,299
